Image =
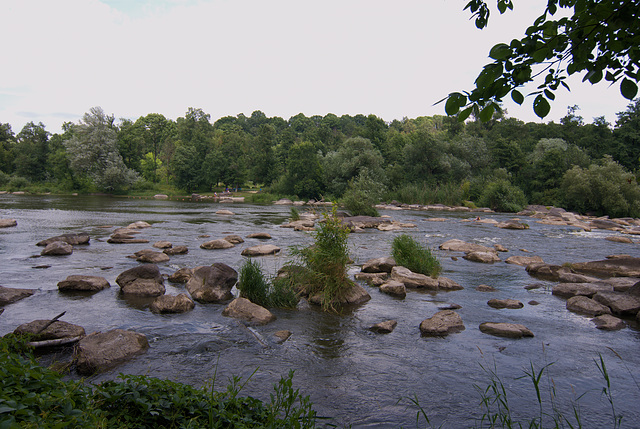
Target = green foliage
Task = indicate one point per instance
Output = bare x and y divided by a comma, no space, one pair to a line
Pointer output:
32,396
362,194
423,193
295,214
17,183
408,253
321,269
602,188
502,196
598,39
254,286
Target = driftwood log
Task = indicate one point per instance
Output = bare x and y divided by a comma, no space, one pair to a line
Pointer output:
55,343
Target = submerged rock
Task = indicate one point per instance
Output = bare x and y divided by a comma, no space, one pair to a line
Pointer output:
71,238
261,250
508,330
83,283
505,303
385,327
10,295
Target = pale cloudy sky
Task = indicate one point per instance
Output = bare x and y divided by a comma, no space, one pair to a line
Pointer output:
283,57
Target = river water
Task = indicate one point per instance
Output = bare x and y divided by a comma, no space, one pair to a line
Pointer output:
352,375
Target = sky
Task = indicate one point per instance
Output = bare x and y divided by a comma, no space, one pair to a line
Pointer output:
393,59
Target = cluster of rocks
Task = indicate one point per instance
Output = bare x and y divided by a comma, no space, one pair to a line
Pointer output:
63,244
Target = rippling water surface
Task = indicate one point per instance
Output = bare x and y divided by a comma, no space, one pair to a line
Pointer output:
357,377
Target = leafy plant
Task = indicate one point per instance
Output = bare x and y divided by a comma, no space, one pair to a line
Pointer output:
254,286
408,253
502,196
295,214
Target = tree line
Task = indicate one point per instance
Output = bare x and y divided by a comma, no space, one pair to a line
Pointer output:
502,163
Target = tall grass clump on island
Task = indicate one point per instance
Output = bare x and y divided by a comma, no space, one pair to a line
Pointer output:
256,287
320,270
408,253
32,396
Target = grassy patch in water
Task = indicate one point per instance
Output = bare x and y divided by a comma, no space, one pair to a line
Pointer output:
408,253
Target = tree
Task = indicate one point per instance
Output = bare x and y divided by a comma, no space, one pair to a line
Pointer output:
304,171
31,151
93,151
186,167
7,141
599,39
155,128
627,133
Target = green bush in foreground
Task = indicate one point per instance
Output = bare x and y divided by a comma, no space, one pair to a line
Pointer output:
408,253
32,396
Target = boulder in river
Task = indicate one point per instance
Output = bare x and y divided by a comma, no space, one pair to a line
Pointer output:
82,283
512,224
456,245
242,308
212,283
623,266
139,225
567,290
7,223
372,279
394,288
379,265
413,280
149,256
483,257
385,327
10,295
508,330
260,235
176,250
56,330
607,322
442,323
512,304
181,276
172,304
143,280
234,239
71,238
163,244
261,250
57,248
101,351
524,260
220,243
587,306
622,304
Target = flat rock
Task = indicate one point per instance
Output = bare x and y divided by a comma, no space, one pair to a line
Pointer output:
56,330
139,225
162,244
282,335
10,295
372,279
456,245
260,235
225,212
587,306
620,303
176,250
622,284
607,322
500,248
446,284
442,323
7,223
508,330
619,239
57,248
413,280
379,265
172,304
511,304
83,283
485,288
220,243
242,308
483,257
623,266
151,256
101,351
567,290
234,239
72,239
512,224
385,327
261,250
524,260
394,288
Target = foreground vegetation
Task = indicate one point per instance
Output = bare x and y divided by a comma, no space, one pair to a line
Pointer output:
502,163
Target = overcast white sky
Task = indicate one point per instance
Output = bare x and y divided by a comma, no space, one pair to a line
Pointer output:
283,57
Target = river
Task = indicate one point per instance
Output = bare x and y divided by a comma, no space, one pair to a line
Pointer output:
357,377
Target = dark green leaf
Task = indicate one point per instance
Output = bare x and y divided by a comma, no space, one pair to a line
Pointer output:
454,102
550,95
487,112
462,116
628,89
541,106
500,51
517,96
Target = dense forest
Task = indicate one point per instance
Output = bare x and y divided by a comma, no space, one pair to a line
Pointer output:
502,163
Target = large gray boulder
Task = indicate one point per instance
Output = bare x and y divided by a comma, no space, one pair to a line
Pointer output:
567,290
83,283
385,327
71,238
101,351
442,323
243,309
379,265
623,266
57,248
607,322
394,288
508,330
512,224
220,243
524,260
181,276
234,239
143,280
176,250
587,306
10,295
413,280
212,283
150,256
54,331
456,245
172,304
483,257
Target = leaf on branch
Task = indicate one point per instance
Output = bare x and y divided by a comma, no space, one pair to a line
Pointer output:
500,51
541,106
628,89
517,96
